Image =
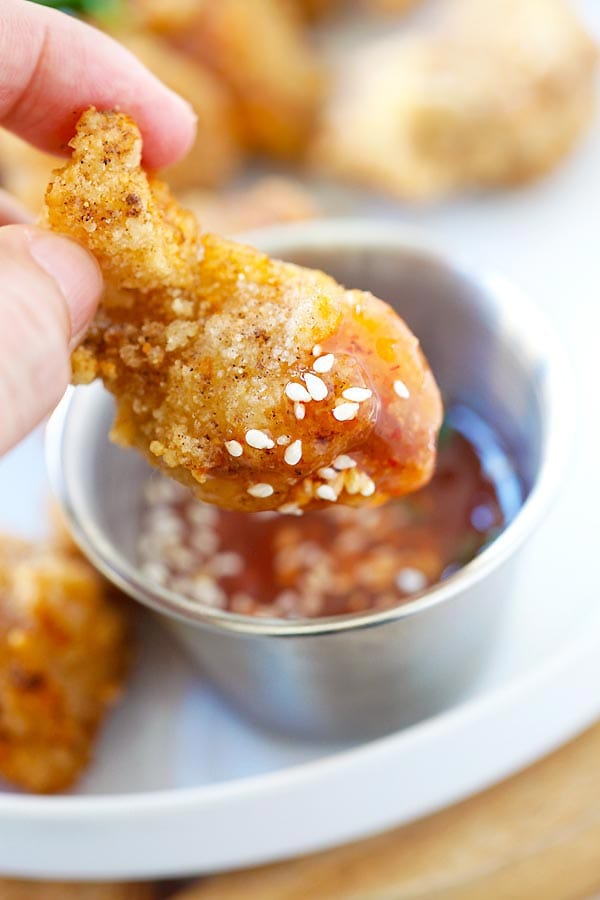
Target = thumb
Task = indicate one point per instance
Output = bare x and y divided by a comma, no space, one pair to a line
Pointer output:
49,289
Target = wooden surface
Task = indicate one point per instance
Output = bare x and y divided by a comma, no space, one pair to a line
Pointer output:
535,837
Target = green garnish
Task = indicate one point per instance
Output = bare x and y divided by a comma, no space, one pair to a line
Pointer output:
97,9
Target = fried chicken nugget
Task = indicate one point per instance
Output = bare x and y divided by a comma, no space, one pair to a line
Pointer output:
497,98
64,653
209,348
260,51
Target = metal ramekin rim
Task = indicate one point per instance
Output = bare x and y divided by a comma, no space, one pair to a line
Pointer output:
524,318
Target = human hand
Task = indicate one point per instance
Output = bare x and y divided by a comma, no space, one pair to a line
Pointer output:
53,67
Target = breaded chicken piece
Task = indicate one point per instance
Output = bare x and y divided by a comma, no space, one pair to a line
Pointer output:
261,52
248,379
267,201
64,653
498,97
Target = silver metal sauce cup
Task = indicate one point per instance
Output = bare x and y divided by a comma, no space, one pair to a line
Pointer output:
361,675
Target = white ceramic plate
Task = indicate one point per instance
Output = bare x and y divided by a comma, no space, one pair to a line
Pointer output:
181,785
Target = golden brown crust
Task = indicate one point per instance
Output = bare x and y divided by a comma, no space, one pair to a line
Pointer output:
64,653
199,339
497,97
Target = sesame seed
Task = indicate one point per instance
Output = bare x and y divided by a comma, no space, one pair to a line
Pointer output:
258,439
401,389
324,363
357,394
343,462
345,411
326,492
261,490
226,565
284,440
411,580
327,473
358,309
234,448
293,453
316,350
297,392
367,487
299,410
316,386
290,509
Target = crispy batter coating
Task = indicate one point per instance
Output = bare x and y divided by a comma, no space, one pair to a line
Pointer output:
64,653
497,97
261,52
267,201
209,347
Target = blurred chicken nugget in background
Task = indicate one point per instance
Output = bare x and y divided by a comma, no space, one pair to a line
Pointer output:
497,98
64,656
216,154
261,52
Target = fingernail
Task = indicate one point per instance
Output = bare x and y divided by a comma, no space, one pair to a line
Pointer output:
75,271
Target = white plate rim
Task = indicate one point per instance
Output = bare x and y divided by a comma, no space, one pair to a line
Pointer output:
166,823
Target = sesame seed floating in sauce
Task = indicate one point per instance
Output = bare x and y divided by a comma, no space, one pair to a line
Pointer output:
324,363
297,392
293,453
284,440
261,490
290,509
411,580
401,390
325,492
345,411
299,410
258,439
343,462
316,387
234,448
316,350
357,394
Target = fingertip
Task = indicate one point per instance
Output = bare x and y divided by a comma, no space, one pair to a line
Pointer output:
76,273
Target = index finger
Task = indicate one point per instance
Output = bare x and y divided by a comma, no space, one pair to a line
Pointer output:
54,67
